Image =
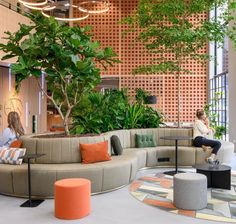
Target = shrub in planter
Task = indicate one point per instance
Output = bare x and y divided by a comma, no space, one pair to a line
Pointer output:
113,111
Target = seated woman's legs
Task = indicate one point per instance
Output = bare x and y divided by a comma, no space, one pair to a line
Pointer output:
200,141
213,143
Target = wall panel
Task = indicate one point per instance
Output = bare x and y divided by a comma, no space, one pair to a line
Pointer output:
193,86
27,101
9,21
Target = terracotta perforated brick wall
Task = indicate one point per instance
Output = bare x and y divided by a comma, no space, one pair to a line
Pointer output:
108,31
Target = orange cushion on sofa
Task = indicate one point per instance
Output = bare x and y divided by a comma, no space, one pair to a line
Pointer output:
16,144
95,152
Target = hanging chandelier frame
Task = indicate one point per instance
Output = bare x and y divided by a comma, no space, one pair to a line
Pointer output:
84,9
44,2
72,19
39,8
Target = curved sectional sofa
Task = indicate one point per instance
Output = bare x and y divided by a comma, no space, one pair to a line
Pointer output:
63,160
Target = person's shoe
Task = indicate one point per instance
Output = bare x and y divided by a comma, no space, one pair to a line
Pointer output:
217,162
210,160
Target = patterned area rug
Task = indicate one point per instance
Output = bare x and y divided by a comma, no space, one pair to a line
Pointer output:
157,190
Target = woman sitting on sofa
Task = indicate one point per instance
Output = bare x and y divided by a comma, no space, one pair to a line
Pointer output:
201,134
13,131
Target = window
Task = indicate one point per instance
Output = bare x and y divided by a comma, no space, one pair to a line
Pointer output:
218,83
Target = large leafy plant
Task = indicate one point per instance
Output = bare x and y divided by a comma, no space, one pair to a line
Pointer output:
67,56
101,113
167,28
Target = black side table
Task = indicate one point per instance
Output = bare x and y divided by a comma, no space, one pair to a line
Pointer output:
176,139
217,177
31,202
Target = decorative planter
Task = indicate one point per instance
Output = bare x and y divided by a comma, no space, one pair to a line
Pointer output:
151,99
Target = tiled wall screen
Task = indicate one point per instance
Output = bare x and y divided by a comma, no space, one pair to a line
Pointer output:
108,31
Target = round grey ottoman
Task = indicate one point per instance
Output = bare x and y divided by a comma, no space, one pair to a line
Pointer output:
190,191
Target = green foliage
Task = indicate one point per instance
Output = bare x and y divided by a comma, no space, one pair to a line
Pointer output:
66,54
213,116
176,31
112,111
229,17
141,95
167,27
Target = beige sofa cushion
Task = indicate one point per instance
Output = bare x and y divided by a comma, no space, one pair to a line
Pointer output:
141,154
163,156
6,171
103,176
58,150
120,171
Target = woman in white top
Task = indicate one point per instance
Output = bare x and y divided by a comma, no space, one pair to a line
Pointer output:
201,133
13,131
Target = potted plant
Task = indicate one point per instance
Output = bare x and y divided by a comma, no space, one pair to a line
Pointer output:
143,97
67,56
151,99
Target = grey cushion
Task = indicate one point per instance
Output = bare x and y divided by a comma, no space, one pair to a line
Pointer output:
116,145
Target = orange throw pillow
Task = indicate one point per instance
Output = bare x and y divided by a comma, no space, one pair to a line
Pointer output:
96,152
16,144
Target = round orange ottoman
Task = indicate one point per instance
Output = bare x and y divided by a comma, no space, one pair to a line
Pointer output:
72,198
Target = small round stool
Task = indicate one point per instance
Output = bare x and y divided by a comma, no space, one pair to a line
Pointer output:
72,198
190,191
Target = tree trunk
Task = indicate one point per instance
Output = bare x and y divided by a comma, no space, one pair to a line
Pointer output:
66,126
66,121
178,101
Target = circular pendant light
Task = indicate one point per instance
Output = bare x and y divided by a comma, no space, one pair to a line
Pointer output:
94,6
39,8
64,12
33,2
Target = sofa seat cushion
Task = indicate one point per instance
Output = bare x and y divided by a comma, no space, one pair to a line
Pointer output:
141,154
226,152
6,171
164,155
119,171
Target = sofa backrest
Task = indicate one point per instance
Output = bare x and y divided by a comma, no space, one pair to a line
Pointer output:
123,135
59,150
161,132
66,149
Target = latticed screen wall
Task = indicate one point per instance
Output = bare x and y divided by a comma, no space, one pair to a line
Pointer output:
108,31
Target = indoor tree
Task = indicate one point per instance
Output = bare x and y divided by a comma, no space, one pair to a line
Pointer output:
167,28
67,56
